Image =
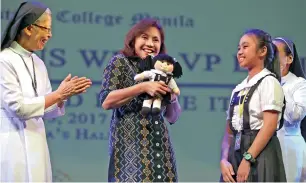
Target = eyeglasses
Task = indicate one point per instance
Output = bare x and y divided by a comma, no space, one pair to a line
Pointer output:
44,28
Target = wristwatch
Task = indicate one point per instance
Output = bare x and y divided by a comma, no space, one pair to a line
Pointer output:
247,156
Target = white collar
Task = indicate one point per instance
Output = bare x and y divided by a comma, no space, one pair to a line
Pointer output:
247,84
17,48
287,78
158,71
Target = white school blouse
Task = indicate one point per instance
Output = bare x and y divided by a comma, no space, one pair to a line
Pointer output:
268,96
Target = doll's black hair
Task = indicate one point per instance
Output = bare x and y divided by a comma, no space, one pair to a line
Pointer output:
177,69
144,64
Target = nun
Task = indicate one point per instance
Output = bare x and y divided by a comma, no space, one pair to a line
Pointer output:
27,97
294,86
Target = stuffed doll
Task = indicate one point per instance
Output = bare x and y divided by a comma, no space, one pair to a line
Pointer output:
164,68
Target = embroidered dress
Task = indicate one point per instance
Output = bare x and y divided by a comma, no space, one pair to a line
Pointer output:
140,147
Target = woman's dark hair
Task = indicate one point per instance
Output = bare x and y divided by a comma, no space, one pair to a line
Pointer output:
271,61
138,29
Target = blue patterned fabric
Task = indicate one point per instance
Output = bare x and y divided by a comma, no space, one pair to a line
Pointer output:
140,147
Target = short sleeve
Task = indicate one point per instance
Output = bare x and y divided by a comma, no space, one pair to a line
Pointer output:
271,94
113,77
148,74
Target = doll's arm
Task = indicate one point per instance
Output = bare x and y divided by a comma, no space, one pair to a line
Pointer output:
143,75
173,86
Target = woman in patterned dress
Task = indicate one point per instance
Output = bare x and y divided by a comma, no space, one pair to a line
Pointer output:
140,146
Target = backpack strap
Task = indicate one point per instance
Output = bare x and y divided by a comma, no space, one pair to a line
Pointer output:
281,122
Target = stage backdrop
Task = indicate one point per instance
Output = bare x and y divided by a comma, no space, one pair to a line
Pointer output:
202,35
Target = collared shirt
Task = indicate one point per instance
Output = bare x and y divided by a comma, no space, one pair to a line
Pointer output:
268,96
